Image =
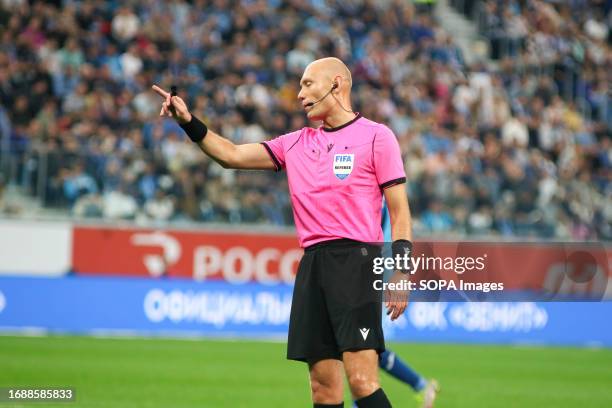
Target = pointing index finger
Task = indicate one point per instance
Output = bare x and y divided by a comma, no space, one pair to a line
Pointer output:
160,91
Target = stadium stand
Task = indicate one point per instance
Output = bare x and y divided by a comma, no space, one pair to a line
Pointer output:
515,145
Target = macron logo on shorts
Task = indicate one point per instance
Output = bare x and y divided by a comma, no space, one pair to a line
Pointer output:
364,333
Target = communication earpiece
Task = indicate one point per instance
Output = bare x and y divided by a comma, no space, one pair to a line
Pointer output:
334,86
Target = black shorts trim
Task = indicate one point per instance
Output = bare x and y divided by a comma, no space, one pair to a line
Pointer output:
336,242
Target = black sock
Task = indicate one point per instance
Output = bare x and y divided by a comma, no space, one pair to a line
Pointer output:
377,399
340,405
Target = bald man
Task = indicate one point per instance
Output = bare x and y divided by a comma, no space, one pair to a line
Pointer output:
337,175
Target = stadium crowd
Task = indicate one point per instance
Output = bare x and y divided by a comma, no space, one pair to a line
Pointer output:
519,148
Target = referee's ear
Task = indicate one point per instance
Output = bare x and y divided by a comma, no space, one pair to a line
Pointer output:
337,82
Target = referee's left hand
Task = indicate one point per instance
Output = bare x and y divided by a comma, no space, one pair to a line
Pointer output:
396,301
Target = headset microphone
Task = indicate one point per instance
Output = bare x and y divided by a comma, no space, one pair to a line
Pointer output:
334,86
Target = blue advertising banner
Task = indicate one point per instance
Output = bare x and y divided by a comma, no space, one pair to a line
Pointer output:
135,306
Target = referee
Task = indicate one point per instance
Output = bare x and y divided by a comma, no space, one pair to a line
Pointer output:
337,175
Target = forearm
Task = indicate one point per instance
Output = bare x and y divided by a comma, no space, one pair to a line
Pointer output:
399,212
219,149
401,224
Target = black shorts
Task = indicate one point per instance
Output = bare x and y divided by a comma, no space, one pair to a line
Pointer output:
335,307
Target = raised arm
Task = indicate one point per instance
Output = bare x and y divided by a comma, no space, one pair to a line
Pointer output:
229,155
251,156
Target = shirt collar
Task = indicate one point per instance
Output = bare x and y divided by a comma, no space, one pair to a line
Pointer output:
334,129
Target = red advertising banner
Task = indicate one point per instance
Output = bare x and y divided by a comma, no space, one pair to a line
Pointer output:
199,255
273,258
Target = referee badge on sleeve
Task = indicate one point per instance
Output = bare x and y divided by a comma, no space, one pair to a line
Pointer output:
343,165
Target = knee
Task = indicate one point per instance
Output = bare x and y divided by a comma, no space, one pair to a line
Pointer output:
326,391
362,385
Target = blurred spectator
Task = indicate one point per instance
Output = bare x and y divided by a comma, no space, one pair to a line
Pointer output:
125,25
160,207
119,204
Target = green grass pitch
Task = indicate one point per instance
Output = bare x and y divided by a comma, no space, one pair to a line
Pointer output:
156,373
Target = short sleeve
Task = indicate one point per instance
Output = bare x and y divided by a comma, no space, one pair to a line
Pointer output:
388,162
278,146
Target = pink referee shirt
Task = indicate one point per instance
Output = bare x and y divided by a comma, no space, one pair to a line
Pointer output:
336,178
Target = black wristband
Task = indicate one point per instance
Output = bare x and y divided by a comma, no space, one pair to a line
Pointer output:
400,248
195,129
